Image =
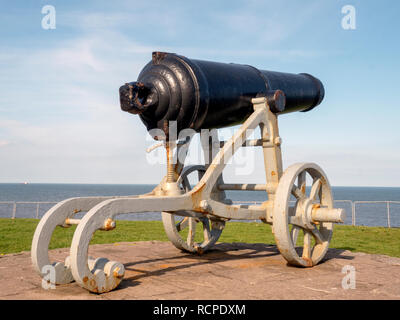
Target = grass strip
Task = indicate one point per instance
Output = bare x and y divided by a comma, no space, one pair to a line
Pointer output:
16,235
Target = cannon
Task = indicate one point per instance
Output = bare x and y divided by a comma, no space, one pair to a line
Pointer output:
203,95
174,92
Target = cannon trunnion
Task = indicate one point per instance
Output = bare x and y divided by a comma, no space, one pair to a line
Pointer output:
203,94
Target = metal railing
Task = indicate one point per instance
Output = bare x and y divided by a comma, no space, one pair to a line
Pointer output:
382,201
353,205
15,203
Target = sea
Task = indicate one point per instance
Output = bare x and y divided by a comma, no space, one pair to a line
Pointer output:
366,213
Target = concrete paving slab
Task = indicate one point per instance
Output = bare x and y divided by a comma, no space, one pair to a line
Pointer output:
157,270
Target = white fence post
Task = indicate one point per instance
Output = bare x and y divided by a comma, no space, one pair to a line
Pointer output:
14,211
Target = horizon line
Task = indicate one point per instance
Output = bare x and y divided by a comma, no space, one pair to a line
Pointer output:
150,184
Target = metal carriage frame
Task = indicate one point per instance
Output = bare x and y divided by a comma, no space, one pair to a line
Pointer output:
312,215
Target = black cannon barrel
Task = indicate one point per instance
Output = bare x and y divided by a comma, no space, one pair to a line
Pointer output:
201,94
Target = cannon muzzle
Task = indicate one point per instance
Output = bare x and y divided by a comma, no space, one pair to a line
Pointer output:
201,94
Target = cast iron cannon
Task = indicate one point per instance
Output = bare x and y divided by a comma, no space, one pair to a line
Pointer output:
175,92
203,95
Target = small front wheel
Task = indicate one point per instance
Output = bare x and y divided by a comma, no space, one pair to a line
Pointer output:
182,232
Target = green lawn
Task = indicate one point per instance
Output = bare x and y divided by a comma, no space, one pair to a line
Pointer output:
16,235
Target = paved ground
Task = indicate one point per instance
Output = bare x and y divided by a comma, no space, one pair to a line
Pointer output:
156,270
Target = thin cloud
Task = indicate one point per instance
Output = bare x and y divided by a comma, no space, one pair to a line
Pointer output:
4,143
267,22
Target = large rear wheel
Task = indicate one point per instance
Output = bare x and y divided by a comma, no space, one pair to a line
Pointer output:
303,231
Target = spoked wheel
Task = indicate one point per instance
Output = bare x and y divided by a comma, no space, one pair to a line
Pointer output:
181,231
303,224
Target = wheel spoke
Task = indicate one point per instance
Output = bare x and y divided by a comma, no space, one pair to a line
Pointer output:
307,245
200,174
192,231
294,233
297,192
301,182
186,184
292,211
317,235
316,187
296,221
206,229
182,224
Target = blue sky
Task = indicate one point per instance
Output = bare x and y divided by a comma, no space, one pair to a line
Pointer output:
60,119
